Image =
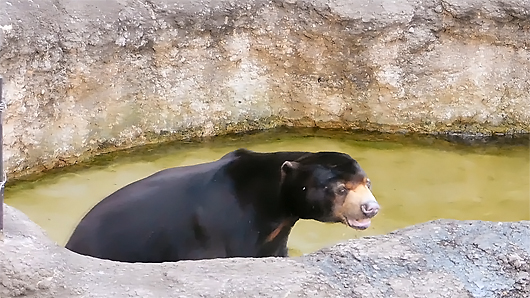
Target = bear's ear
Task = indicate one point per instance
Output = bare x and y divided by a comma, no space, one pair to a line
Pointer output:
289,166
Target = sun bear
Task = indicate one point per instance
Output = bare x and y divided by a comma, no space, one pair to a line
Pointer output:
242,205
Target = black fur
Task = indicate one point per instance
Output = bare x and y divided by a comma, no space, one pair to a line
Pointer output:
226,208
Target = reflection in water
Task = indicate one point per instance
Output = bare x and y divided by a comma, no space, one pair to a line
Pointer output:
413,183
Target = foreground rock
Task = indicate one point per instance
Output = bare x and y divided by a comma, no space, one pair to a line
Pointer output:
436,259
87,76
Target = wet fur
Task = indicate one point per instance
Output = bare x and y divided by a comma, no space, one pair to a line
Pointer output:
241,205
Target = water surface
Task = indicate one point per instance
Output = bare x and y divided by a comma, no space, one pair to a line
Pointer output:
414,180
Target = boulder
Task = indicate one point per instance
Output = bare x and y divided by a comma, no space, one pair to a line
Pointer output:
89,76
442,258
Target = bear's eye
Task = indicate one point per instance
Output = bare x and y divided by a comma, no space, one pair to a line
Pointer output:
369,184
342,190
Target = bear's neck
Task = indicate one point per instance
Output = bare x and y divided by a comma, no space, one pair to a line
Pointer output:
257,181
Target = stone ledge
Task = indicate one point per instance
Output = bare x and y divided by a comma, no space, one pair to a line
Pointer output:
442,258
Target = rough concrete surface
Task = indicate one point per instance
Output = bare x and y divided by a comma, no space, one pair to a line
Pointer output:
86,76
443,258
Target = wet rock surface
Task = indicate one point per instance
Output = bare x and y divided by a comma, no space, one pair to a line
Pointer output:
84,77
443,258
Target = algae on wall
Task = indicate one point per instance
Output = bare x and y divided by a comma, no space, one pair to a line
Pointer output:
87,76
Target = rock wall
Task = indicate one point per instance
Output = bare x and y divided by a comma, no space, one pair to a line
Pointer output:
85,76
439,259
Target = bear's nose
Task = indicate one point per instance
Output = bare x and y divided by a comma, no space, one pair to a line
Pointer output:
370,209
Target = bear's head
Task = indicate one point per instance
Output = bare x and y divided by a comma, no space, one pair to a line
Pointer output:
329,187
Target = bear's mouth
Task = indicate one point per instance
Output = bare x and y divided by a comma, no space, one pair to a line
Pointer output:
359,224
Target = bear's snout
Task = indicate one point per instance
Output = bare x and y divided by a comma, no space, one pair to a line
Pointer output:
370,209
358,208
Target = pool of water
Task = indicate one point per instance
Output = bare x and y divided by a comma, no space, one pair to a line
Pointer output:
414,179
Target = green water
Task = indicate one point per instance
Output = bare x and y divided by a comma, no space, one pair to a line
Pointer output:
414,179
